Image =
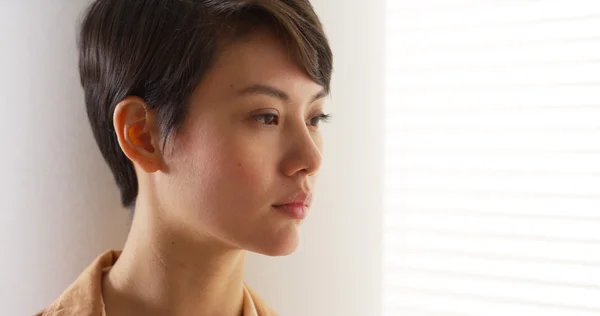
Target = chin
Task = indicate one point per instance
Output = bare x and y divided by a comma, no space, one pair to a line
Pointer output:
283,244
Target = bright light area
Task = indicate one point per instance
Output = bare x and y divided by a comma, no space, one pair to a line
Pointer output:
492,191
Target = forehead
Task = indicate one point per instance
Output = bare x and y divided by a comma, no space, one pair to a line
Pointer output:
260,58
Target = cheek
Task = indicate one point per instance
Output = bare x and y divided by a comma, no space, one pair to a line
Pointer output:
224,165
246,171
247,168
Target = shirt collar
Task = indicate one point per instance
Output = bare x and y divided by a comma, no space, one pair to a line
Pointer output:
84,296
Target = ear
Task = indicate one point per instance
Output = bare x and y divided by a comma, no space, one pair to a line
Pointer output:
137,133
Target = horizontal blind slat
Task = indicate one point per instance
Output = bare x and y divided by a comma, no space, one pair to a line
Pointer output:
525,270
557,295
502,33
537,53
554,228
475,304
533,12
396,252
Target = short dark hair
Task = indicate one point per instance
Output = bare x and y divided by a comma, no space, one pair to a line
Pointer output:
159,50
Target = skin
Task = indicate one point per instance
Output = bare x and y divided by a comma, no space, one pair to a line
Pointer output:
210,196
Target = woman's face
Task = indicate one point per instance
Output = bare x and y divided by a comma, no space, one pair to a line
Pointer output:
244,163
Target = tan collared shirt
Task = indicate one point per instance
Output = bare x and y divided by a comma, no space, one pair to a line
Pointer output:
84,296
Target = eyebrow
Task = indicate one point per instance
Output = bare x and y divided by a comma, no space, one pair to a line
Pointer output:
274,92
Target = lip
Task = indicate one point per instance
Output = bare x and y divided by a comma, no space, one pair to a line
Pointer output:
294,210
295,206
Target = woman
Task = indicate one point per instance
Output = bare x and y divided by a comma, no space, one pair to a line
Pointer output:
207,112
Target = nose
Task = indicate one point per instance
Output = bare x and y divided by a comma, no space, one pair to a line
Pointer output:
303,152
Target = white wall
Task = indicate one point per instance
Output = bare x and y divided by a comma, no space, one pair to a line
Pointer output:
59,207
58,204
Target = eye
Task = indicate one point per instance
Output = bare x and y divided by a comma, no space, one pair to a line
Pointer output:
315,121
267,119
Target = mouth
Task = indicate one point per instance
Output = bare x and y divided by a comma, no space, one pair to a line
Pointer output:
295,207
294,210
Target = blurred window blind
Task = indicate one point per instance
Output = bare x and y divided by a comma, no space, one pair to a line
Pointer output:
492,189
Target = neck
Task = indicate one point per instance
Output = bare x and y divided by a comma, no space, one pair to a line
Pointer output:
161,273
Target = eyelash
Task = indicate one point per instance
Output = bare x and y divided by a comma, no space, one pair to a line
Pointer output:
320,118
273,119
